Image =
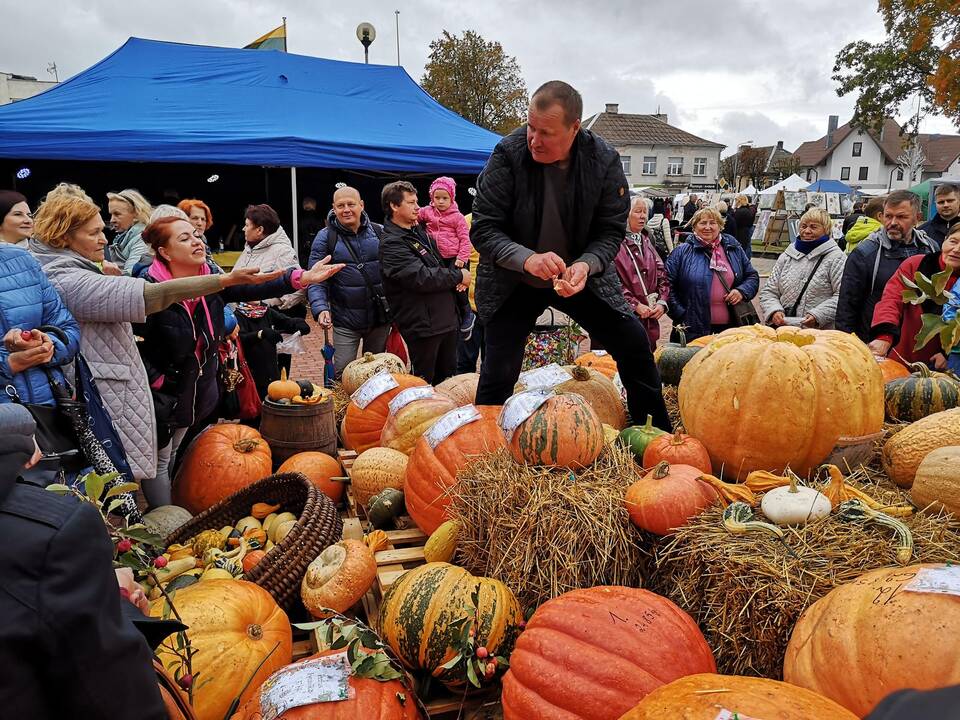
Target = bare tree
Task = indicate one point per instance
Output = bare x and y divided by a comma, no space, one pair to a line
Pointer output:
912,160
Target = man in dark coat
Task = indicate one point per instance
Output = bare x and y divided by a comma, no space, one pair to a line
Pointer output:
947,197
548,219
66,648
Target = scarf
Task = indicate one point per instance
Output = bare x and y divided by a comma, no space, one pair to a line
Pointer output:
252,311
160,272
716,256
807,246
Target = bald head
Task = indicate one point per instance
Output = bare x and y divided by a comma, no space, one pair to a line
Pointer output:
348,207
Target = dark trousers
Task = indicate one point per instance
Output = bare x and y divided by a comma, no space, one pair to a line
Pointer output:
463,302
434,358
621,334
469,351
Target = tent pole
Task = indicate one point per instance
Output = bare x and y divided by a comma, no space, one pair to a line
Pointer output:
293,199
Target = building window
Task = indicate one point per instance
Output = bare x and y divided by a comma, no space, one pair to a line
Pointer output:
857,149
864,171
649,164
674,166
899,173
625,161
844,173
700,166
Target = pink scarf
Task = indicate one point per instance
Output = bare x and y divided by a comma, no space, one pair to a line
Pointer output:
160,272
716,256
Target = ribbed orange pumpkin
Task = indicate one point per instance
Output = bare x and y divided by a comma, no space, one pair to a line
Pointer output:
430,472
563,432
233,624
220,461
702,696
891,368
598,390
403,428
462,389
601,361
865,639
362,426
613,644
666,497
318,468
677,449
369,700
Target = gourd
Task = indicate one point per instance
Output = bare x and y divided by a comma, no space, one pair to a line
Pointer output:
205,540
442,544
857,511
376,540
563,432
729,492
462,389
667,497
600,361
738,519
921,394
937,483
385,507
902,454
362,426
320,469
338,578
357,372
677,449
795,504
637,438
262,510
403,428
838,492
283,389
616,643
376,469
281,519
164,520
251,559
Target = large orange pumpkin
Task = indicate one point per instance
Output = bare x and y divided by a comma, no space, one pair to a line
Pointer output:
865,639
667,497
703,696
221,460
613,644
599,360
563,432
598,390
362,426
233,624
763,399
431,471
405,426
369,700
462,389
678,449
318,468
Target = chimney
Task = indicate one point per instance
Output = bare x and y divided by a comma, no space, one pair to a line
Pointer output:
662,117
779,144
832,123
612,108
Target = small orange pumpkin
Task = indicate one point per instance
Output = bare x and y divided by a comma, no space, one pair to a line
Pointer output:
666,497
891,369
598,360
318,468
680,449
251,559
338,577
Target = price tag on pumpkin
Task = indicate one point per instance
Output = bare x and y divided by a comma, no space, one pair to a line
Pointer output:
405,397
373,388
450,423
733,715
600,353
940,580
520,407
308,682
548,376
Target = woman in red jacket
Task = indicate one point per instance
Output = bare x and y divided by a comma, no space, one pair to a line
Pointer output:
896,323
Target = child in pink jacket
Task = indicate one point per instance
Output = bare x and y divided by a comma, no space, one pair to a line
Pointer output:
448,227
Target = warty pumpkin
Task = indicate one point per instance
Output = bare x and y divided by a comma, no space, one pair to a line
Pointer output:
902,454
234,625
920,394
680,449
667,497
563,432
338,577
868,638
357,372
377,469
417,609
318,468
405,425
821,384
597,389
937,482
613,644
599,360
362,426
462,389
704,695
220,461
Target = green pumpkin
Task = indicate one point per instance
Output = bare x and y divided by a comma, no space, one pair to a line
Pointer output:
923,393
671,359
639,436
385,506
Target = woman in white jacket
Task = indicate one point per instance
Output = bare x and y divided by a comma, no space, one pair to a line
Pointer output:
804,284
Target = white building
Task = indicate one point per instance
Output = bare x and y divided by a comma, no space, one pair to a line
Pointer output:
656,153
19,87
869,161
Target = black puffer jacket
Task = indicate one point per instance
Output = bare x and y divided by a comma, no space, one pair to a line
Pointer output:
509,206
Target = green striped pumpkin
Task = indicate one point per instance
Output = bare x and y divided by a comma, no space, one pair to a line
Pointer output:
418,609
563,432
923,393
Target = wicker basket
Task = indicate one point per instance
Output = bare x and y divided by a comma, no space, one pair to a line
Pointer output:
281,570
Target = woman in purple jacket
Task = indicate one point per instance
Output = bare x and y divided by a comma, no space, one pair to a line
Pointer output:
644,279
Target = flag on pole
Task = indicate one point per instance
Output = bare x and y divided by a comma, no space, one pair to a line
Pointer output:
276,39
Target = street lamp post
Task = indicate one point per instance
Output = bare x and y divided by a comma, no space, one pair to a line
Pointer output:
366,34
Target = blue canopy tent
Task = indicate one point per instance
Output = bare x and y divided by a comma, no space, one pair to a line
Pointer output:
830,186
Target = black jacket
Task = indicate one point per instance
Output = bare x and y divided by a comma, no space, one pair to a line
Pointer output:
261,353
936,227
508,208
420,288
744,219
730,224
939,704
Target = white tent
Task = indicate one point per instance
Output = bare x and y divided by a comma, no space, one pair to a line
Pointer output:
794,183
748,190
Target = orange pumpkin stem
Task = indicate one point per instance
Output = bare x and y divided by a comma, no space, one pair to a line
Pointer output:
678,438
247,445
661,470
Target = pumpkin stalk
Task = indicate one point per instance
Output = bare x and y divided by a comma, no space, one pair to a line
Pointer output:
662,468
856,511
581,373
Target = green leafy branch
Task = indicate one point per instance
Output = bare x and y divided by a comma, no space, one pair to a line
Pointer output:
920,290
478,664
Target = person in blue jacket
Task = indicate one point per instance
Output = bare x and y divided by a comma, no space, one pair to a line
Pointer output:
698,299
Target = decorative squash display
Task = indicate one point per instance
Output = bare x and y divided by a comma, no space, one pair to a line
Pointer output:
902,454
923,393
233,624
666,497
338,577
405,426
283,389
598,360
891,369
368,699
563,432
318,468
432,470
671,359
677,449
165,519
356,373
638,437
597,389
614,644
795,504
442,544
704,696
220,461
362,426
251,559
418,608
385,507
376,469
814,386
937,482
462,389
871,637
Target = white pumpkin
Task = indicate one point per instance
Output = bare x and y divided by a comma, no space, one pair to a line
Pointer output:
795,504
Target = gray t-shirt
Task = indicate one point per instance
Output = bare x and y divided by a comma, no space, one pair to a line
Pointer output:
553,234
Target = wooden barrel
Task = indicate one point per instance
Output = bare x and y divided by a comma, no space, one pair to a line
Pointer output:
292,429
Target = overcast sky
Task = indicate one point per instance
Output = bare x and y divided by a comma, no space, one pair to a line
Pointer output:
728,71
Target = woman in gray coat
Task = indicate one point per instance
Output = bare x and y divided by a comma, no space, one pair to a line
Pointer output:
804,284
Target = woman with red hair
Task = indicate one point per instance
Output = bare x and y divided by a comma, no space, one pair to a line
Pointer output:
200,215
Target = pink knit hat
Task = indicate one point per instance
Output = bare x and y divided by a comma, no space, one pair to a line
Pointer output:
444,183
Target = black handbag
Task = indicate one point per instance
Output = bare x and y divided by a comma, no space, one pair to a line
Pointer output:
743,312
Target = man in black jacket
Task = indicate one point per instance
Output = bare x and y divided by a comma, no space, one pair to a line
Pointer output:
548,219
947,197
